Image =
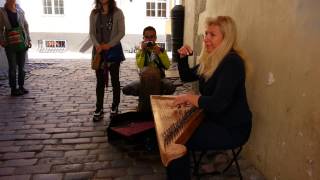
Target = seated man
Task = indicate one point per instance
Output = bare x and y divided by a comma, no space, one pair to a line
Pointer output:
152,61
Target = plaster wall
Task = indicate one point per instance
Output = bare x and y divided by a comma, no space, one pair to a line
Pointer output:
3,61
281,38
74,20
3,58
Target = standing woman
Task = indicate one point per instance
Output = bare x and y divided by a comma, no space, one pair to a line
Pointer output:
107,28
221,73
12,17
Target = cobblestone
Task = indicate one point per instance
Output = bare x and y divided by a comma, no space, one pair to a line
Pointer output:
33,169
19,155
6,171
79,176
48,134
16,177
48,177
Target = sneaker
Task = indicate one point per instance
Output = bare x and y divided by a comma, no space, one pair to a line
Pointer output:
98,115
16,92
114,110
23,90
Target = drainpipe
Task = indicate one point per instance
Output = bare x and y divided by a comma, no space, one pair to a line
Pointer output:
177,28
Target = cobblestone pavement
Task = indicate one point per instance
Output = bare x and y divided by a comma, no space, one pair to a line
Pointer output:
48,134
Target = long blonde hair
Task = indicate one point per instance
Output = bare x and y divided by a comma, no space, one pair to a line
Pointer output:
208,62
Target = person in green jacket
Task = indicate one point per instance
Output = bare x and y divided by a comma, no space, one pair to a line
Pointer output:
12,20
152,61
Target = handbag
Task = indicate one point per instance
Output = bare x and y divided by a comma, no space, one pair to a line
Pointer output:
95,63
15,39
114,54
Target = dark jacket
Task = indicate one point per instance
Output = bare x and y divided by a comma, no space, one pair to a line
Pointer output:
223,96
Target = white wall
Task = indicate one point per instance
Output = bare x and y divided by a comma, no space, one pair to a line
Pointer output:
136,20
75,19
2,3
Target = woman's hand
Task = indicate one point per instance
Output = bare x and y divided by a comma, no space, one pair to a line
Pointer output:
2,43
98,48
143,45
186,99
185,50
105,46
102,47
29,44
156,49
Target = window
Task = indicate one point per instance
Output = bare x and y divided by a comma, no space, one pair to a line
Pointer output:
47,7
57,7
156,8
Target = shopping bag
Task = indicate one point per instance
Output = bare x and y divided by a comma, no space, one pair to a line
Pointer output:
95,63
114,54
16,40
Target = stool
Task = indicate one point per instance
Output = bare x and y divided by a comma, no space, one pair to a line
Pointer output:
197,163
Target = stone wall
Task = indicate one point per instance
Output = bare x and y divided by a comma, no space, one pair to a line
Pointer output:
281,38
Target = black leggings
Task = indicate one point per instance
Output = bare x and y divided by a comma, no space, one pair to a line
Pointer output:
114,73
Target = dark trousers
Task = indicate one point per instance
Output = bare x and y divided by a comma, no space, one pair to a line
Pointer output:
148,75
133,89
16,59
150,83
114,74
208,136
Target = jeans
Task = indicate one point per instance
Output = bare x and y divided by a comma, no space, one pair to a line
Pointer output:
114,73
150,83
149,74
133,89
16,59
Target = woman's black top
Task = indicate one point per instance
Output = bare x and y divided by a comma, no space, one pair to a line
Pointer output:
223,96
13,18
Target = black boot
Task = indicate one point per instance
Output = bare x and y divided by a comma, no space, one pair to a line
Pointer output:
114,110
98,115
23,90
15,92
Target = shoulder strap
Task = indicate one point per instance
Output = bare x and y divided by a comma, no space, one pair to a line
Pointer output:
146,58
159,63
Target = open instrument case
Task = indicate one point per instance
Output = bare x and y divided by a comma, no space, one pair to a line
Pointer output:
133,126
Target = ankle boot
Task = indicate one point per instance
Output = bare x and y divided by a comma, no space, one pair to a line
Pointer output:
15,92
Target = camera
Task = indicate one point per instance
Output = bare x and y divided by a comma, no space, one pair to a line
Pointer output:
149,43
